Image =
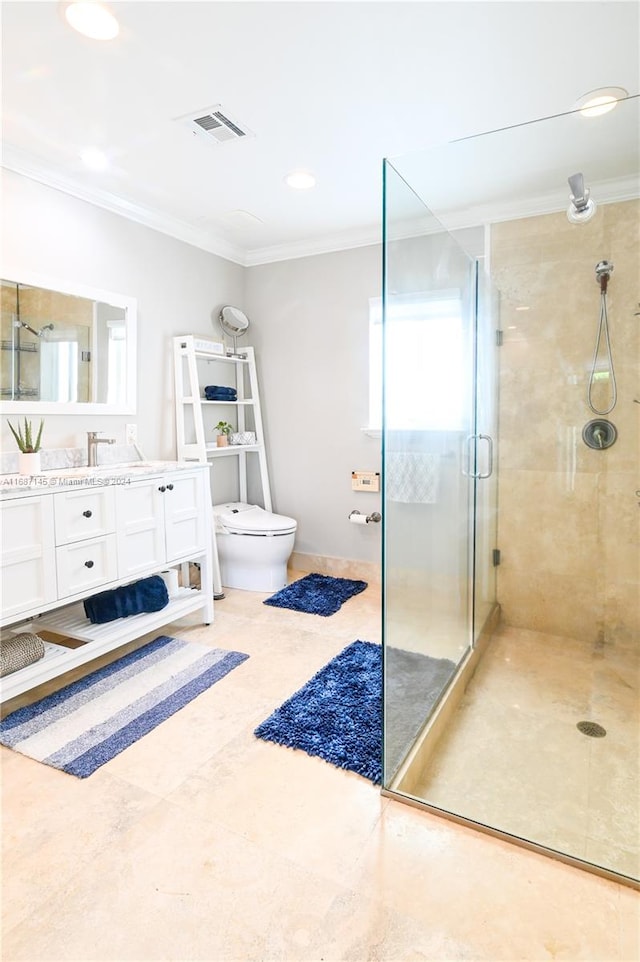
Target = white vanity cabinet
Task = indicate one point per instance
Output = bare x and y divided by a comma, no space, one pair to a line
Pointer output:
28,555
63,545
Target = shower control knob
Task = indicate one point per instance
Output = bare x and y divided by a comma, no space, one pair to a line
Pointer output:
599,434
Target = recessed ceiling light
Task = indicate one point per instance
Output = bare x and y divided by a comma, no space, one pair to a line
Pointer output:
300,180
94,158
92,19
600,101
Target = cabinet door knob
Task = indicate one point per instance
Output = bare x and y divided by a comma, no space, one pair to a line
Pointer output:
162,488
169,487
87,513
88,564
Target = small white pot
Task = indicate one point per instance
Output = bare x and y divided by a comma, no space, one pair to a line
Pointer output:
29,464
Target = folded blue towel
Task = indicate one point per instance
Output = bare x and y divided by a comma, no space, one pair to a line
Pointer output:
212,396
220,389
149,594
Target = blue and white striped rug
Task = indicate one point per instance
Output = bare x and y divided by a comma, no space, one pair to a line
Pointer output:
85,724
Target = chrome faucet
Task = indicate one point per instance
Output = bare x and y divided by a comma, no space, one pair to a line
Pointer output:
92,447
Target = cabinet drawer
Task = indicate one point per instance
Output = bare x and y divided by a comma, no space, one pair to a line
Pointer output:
86,565
86,513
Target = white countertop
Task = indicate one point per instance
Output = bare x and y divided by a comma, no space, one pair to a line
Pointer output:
17,486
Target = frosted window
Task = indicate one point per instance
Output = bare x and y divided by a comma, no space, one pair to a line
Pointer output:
425,362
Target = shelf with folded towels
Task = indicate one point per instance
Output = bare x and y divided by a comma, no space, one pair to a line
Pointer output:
232,404
72,622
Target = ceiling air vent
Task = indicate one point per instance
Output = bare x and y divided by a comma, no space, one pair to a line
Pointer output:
216,125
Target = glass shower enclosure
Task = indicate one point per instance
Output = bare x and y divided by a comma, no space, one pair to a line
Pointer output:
511,486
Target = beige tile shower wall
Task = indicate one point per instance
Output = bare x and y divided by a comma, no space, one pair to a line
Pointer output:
73,315
569,517
7,310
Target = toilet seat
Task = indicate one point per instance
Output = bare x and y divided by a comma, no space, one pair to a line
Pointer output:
249,519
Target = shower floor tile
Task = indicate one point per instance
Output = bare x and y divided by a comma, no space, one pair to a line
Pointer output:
512,757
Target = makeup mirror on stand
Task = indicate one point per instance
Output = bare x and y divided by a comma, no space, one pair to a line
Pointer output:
233,322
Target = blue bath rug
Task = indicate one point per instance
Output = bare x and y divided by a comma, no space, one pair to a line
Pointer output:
80,727
337,715
316,594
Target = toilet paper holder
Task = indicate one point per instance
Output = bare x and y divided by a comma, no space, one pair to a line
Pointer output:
364,518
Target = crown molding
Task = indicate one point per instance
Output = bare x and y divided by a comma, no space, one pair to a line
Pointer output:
603,192
327,244
22,163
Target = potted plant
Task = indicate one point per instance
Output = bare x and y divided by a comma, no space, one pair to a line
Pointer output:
224,429
29,457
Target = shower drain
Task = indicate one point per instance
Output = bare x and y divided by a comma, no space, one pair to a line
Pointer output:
592,729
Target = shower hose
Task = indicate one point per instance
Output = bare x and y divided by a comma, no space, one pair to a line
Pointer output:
603,328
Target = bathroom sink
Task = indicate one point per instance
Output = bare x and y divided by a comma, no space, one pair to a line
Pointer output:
67,473
77,473
86,473
141,466
114,467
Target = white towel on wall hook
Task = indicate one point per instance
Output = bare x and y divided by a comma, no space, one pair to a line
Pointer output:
412,477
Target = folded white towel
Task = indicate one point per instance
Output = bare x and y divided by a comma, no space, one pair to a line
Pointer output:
412,477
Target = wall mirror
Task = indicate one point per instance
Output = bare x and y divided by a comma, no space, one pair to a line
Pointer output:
66,349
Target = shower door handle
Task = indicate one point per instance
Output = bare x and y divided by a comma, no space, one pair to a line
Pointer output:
489,471
479,475
467,472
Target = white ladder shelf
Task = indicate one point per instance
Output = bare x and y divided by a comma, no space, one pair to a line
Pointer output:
192,408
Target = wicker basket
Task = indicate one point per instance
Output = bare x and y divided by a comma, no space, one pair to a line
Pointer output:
19,651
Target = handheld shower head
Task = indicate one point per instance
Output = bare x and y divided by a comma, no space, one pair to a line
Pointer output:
604,270
582,208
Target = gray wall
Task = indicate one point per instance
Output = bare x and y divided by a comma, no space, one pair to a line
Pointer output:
177,287
309,325
310,329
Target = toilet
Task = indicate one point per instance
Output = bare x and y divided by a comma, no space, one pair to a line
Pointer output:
254,546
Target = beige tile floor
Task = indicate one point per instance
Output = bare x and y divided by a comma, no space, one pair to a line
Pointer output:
201,842
513,758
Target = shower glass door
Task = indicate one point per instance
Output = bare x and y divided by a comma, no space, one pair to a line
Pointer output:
430,459
485,551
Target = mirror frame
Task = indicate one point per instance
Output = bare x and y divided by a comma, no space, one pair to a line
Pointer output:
128,304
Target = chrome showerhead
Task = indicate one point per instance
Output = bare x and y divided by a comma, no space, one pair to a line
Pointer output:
32,330
582,208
